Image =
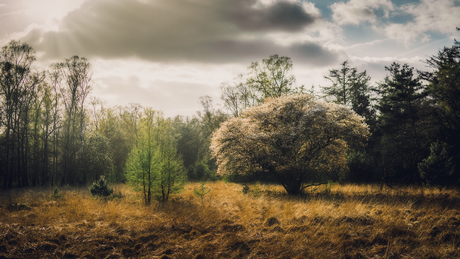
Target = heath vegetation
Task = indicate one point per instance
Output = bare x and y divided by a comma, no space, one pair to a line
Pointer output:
346,221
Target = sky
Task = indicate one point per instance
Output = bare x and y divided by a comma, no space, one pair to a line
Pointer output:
165,54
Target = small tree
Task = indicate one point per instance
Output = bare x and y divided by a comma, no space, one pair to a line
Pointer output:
201,191
100,188
171,176
295,138
437,168
154,165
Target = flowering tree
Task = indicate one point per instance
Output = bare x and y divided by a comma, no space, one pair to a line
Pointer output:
295,138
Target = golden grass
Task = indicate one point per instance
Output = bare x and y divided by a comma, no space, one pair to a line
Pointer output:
350,221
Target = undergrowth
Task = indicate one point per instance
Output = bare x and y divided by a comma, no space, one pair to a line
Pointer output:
339,221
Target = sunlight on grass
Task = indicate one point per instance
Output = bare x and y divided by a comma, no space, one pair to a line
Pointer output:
359,221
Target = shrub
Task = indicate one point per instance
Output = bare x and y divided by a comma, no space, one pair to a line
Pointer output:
57,194
245,189
100,188
437,168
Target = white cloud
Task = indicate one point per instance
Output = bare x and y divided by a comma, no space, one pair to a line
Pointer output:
17,18
172,88
359,11
440,16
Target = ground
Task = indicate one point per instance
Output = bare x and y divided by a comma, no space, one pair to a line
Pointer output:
345,221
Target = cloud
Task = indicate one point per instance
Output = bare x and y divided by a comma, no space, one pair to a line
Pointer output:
171,97
441,16
217,31
284,16
359,11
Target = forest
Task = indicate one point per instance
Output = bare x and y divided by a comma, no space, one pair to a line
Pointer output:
349,170
54,133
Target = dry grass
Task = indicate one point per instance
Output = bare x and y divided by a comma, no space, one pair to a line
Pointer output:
350,221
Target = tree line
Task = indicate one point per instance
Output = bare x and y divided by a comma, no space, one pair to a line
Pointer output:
412,117
54,133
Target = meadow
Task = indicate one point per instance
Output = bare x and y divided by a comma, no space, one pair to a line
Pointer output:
339,221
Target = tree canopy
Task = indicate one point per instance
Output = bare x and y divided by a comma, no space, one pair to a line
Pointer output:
405,139
270,78
350,88
153,165
295,138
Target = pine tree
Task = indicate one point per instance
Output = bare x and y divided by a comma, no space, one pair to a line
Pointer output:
404,142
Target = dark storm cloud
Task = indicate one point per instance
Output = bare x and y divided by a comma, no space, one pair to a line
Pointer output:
180,30
283,16
307,53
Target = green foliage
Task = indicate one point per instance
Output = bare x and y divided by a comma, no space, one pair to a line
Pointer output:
238,96
444,89
351,89
361,167
95,156
57,194
119,139
100,188
256,191
272,77
172,175
437,168
153,166
444,84
74,83
245,189
328,187
405,134
202,171
191,145
201,191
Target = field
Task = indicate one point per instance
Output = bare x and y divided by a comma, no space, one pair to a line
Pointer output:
344,221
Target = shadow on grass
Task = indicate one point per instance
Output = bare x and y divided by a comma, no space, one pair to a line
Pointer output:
415,200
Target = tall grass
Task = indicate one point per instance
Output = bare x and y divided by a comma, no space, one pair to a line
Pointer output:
345,221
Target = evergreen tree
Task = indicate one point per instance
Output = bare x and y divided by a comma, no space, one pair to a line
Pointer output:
438,168
444,89
405,134
351,89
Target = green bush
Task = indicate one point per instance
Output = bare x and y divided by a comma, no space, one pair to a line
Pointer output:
100,188
437,168
57,194
361,165
245,189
